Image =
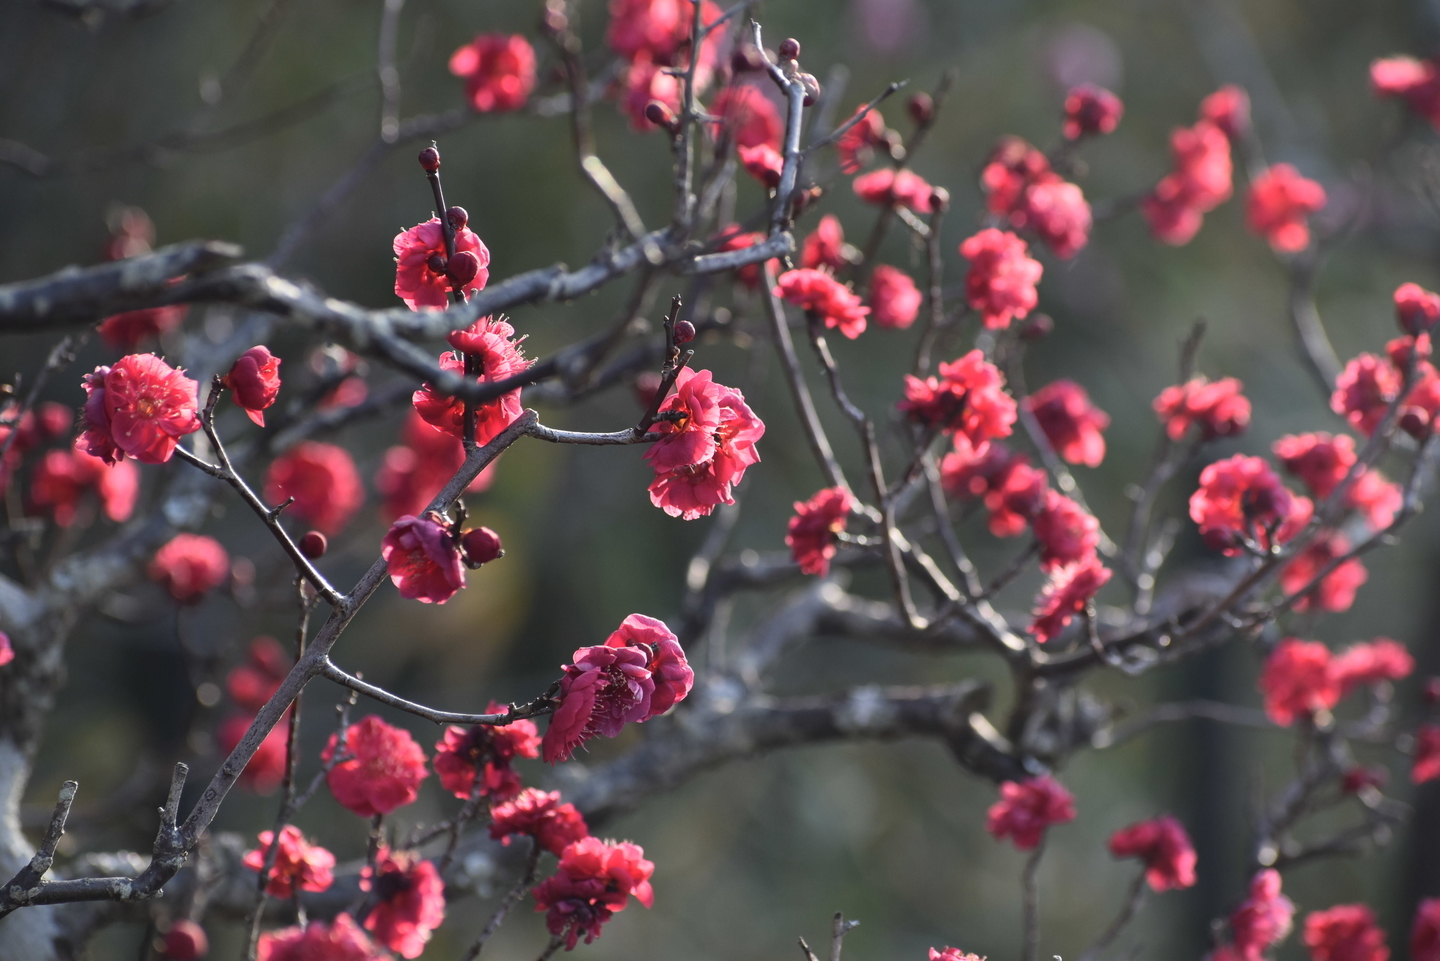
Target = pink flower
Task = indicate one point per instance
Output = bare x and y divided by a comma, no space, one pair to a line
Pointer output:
968,400
855,144
749,116
299,865
1336,592
423,560
499,73
1017,496
1091,110
1200,182
553,825
266,768
254,382
1427,754
1070,588
689,435
485,751
1165,848
1218,408
384,769
817,291
953,954
811,535
1070,421
253,683
341,940
1416,308
1363,390
639,672
412,473
1241,497
62,478
1058,213
1263,919
1346,932
1320,460
733,238
322,479
1229,109
1278,203
1013,165
895,188
185,941
494,345
762,162
410,901
1425,934
660,29
1027,808
595,880
1362,665
1002,277
1298,681
1375,498
190,566
967,476
1066,532
1417,82
141,406
894,298
127,330
420,264
825,246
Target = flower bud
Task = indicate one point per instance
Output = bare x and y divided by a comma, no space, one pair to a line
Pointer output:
659,114
185,941
790,49
480,545
939,199
921,108
684,332
458,218
1415,421
462,268
436,263
646,384
254,381
313,545
1037,327
430,159
812,88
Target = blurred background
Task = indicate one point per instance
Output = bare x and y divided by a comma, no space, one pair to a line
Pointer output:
753,855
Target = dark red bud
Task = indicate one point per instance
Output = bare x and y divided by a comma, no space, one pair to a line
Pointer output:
939,199
812,88
1415,421
790,49
480,545
1037,327
646,385
313,545
1218,540
462,268
185,941
684,332
430,159
921,108
436,263
458,218
659,114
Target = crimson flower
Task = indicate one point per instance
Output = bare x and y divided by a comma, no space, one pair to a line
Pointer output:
266,767
1336,591
1002,276
953,954
1364,390
409,901
1070,421
485,751
968,400
1229,109
1346,932
553,825
299,865
1377,499
190,566
413,472
1018,496
341,940
1427,754
1417,82
494,346
693,417
1027,808
854,144
894,298
895,188
825,245
691,490
968,476
63,477
1218,408
1164,846
322,479
1277,205
185,941
383,770
128,329
1416,308
1056,210
818,292
811,532
254,382
748,116
1262,919
499,72
639,672
660,31
1091,110
420,264
1066,531
1298,681
141,406
1241,497
733,238
763,162
1200,182
1320,460
253,683
423,560
595,880
1070,588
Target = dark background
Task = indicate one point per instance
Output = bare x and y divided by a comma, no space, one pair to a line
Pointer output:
751,856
